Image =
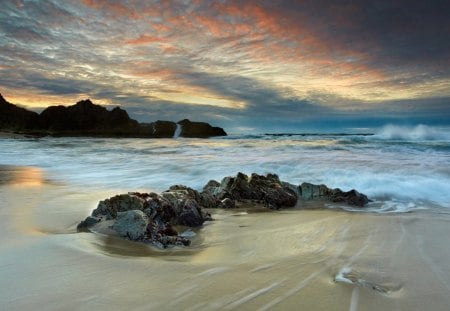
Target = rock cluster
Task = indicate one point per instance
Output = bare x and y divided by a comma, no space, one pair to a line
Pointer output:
199,129
153,218
88,119
309,191
266,190
150,217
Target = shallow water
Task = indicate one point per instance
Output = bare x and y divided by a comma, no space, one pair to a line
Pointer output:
400,172
394,257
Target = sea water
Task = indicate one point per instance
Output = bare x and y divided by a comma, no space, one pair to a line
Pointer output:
246,259
399,168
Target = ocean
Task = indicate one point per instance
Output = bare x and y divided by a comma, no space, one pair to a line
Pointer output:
400,168
393,254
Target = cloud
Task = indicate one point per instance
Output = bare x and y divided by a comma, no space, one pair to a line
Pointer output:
145,39
254,62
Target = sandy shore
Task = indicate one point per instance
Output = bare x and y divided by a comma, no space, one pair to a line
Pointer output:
286,260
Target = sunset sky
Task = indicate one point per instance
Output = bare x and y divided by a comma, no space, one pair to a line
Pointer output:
244,65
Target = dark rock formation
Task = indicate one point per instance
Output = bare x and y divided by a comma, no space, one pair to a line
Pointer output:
271,192
309,191
16,118
267,190
151,217
131,224
87,119
119,203
160,129
199,129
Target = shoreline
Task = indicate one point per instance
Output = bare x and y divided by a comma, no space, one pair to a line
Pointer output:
276,260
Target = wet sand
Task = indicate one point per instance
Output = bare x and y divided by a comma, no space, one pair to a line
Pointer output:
285,260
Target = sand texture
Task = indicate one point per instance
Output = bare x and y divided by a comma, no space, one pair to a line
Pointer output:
244,260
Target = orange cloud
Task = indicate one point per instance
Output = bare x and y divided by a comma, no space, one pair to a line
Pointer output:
116,8
145,39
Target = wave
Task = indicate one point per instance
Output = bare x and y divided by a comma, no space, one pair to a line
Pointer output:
412,133
402,175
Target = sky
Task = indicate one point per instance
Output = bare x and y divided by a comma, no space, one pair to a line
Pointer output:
248,66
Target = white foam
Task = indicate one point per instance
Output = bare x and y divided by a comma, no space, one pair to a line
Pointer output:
412,133
354,299
400,177
177,131
341,276
189,233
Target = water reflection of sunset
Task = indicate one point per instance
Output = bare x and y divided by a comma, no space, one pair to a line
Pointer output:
21,175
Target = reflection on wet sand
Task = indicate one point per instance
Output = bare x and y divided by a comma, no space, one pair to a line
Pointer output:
24,175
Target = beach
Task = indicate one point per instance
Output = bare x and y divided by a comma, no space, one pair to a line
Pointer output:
224,155
245,260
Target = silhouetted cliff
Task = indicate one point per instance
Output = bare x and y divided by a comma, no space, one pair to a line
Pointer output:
16,118
87,119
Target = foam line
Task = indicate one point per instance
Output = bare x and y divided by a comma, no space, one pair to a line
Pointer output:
354,300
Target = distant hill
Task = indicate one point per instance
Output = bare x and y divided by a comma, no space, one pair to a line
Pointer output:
88,119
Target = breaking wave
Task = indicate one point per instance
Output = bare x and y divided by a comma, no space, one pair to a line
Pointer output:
412,133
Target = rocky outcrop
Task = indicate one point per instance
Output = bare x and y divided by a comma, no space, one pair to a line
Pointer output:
266,190
159,129
149,217
309,191
273,193
87,119
16,118
131,224
199,129
154,218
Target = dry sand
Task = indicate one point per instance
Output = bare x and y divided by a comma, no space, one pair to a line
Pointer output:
286,260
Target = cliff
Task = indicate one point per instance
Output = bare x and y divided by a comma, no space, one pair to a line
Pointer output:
88,119
16,118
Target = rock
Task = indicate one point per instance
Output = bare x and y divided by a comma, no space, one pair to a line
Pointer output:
119,203
267,190
185,201
190,193
239,188
211,186
88,119
270,189
161,129
151,217
189,214
310,191
227,203
208,200
163,235
87,223
271,192
199,129
15,118
321,192
131,224
294,188
351,197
